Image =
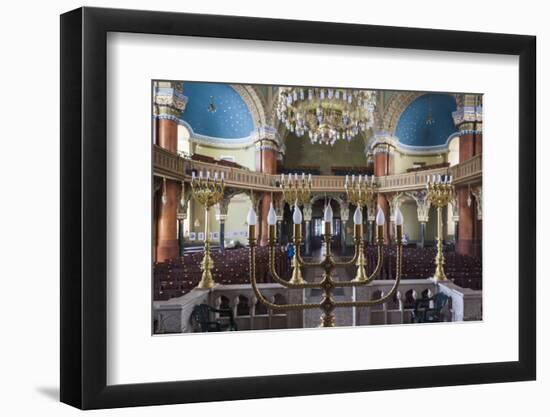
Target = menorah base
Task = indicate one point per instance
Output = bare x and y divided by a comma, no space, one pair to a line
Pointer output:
439,275
206,281
327,320
297,278
361,275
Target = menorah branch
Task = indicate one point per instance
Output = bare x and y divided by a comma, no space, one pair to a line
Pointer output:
277,278
257,292
387,297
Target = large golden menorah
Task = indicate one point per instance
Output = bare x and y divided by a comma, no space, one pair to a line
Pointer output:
208,191
440,193
328,263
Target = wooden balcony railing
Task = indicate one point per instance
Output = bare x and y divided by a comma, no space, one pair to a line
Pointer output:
178,167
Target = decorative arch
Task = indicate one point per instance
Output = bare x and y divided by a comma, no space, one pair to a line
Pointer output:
253,100
339,199
397,105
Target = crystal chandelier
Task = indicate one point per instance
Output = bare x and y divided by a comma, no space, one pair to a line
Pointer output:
326,114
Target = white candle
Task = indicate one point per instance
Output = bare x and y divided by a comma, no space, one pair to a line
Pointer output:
309,177
358,216
251,217
398,217
380,218
328,214
271,216
303,176
200,173
216,176
347,179
282,177
450,178
353,178
223,175
193,175
297,216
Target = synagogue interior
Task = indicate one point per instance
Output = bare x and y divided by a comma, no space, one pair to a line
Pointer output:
279,207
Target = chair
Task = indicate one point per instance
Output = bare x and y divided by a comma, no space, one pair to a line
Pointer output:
423,313
200,319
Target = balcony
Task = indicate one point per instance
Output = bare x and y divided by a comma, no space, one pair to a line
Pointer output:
180,168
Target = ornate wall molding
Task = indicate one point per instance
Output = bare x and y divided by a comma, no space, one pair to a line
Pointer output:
469,110
215,142
454,208
307,212
383,142
266,135
344,211
477,193
422,205
395,200
185,197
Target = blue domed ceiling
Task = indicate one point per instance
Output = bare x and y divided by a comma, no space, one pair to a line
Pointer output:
415,128
231,120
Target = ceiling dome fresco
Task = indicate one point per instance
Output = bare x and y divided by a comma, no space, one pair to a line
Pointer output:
216,110
427,121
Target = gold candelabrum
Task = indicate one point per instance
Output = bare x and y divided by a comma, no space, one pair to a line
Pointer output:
296,189
440,193
207,190
327,264
360,192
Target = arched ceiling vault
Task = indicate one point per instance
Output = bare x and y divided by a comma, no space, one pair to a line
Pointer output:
223,112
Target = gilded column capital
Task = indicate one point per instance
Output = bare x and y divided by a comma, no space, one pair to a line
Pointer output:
469,114
168,100
266,137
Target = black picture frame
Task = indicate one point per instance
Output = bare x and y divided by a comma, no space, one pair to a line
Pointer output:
84,207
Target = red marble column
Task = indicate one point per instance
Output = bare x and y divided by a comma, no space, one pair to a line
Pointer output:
266,162
167,134
167,239
465,244
384,205
466,147
478,144
468,236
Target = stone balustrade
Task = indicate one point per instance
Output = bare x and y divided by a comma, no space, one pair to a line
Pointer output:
180,167
467,170
172,316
